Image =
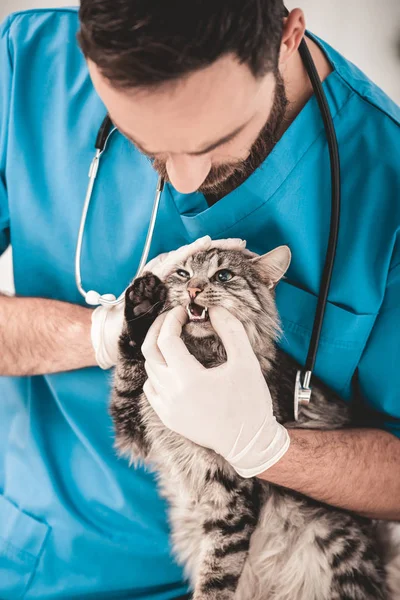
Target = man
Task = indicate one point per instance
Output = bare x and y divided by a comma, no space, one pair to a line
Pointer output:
215,94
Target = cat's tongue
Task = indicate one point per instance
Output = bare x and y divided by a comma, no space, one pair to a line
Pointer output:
196,312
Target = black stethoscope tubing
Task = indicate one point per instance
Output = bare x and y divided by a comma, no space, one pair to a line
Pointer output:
335,204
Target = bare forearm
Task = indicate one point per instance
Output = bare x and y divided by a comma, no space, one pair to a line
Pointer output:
39,336
357,469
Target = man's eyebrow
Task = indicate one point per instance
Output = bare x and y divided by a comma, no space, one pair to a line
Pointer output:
208,147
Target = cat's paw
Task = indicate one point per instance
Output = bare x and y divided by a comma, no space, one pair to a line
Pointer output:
146,295
144,301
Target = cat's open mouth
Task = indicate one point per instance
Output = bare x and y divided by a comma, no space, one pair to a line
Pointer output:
197,314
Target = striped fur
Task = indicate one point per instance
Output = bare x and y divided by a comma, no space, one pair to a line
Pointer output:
237,538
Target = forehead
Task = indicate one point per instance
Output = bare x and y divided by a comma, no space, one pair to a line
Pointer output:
179,117
212,260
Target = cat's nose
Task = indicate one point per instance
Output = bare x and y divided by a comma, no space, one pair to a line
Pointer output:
193,292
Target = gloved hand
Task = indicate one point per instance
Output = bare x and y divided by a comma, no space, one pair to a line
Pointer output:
226,408
107,321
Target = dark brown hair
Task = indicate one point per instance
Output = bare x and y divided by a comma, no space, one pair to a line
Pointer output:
150,42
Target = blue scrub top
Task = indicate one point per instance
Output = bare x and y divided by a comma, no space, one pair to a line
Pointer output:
76,521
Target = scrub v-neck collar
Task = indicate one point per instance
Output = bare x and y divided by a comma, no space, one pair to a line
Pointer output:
198,217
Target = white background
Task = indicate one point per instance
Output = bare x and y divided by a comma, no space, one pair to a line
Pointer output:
366,31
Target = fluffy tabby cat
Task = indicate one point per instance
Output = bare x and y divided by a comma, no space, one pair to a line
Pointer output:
240,538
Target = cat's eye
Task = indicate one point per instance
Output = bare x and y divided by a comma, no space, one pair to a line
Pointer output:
224,275
182,273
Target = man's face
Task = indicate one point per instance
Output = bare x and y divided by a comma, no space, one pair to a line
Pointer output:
200,130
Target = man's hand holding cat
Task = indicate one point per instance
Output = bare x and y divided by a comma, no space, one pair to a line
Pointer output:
226,408
107,321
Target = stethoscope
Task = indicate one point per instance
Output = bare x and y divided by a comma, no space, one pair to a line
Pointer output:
302,390
92,297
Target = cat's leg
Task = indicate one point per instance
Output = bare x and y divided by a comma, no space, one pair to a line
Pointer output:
144,300
226,540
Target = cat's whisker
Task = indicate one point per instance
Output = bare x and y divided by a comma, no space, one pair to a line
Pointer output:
148,311
166,307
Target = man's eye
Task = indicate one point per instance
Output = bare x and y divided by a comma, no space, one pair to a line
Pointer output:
224,275
183,274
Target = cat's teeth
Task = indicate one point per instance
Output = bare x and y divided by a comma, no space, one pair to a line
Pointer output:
193,317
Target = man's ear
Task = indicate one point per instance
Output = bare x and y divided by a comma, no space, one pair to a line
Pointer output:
273,265
293,32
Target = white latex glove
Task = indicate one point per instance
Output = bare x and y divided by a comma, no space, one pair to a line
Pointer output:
107,321
226,408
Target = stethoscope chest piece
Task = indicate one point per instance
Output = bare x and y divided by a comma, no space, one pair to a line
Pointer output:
93,298
302,392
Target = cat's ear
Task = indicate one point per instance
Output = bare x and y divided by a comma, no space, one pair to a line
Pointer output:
274,264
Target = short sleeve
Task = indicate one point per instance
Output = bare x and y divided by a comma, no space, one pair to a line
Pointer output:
5,94
378,376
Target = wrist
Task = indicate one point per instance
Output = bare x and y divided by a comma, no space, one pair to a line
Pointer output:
98,320
264,450
77,336
82,330
106,328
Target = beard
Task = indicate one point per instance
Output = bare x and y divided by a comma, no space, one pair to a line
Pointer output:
224,178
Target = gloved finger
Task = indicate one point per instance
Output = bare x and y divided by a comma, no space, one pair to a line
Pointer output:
163,265
172,347
157,375
156,261
229,244
249,253
150,348
154,399
183,253
232,333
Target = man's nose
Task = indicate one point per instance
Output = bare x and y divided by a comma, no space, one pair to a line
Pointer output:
193,292
187,173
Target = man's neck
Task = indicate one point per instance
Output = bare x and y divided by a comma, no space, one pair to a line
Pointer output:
297,83
299,90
